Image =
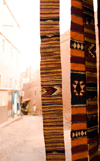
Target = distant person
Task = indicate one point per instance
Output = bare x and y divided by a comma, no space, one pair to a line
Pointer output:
34,108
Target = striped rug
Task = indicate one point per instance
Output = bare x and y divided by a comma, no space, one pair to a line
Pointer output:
78,85
83,82
91,79
51,80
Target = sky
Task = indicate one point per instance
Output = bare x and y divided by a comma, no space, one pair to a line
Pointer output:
27,13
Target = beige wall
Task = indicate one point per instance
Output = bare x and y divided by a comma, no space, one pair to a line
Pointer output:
65,63
9,64
32,90
36,89
9,58
36,98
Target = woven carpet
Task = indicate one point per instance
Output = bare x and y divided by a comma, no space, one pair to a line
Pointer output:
83,82
51,80
91,79
78,85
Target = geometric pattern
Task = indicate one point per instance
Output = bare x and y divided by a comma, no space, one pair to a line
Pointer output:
90,49
79,133
77,45
79,142
83,82
78,88
91,79
51,81
51,90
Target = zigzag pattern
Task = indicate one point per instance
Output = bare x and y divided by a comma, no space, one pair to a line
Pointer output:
56,90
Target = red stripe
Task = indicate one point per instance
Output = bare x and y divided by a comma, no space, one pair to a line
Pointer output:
84,159
76,118
56,1
50,6
89,58
91,69
91,79
89,27
76,11
77,60
89,36
77,28
54,29
93,150
78,149
92,140
57,64
49,13
92,107
88,5
95,159
53,133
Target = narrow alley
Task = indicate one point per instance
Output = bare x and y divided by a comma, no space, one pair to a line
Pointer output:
23,140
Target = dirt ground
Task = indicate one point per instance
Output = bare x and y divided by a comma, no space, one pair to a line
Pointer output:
23,140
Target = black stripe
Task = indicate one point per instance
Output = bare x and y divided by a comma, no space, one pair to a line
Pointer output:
92,134
91,121
91,95
90,84
45,36
88,10
55,151
53,19
53,125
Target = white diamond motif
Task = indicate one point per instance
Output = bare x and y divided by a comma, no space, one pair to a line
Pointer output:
74,45
82,47
78,45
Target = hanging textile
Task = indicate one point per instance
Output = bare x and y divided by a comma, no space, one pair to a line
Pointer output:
78,86
83,82
51,80
91,79
98,16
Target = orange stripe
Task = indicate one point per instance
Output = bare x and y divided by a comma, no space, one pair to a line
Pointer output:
79,141
79,110
77,36
78,126
80,155
75,66
77,53
77,20
76,4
